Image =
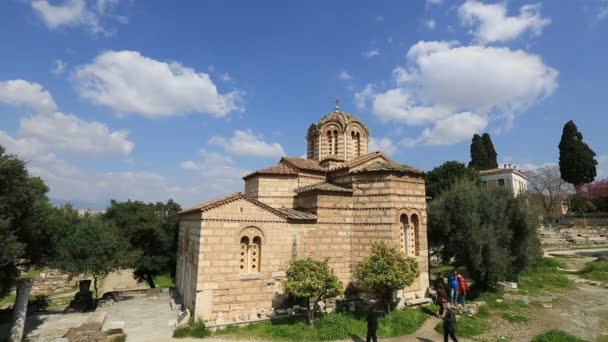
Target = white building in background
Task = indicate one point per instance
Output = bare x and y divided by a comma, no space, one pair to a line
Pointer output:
508,176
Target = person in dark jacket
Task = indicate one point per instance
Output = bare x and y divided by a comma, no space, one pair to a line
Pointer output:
372,323
449,324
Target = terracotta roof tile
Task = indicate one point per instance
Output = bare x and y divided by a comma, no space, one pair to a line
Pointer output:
388,166
297,214
305,164
279,169
357,161
323,187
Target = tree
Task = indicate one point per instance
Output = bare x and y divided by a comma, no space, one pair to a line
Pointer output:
151,229
490,232
548,189
89,245
577,163
580,203
314,280
386,270
19,193
479,155
597,193
443,177
491,154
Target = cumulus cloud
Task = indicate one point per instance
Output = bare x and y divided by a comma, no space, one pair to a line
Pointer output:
58,67
218,171
382,144
371,53
448,85
128,82
491,23
248,144
69,133
344,75
30,94
77,13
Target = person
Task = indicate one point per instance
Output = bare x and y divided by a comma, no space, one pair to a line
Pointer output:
442,299
463,289
449,324
372,323
453,282
439,282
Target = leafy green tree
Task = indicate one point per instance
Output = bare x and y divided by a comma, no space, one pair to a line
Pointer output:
577,163
19,193
580,203
314,280
479,155
151,229
443,177
490,151
490,232
90,245
386,270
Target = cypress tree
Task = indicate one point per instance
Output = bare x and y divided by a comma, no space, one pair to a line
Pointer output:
491,152
576,158
479,156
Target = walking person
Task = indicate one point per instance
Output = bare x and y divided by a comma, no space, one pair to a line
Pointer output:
449,324
442,300
463,289
372,323
453,283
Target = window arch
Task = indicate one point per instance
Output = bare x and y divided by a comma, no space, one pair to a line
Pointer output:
415,234
250,254
405,222
330,142
335,142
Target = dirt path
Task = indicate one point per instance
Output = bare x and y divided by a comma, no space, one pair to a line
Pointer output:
120,281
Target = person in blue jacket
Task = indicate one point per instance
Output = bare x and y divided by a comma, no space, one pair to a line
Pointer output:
453,283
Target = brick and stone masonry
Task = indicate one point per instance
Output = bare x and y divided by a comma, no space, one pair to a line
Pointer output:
233,251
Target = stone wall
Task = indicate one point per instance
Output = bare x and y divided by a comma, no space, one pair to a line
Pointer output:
574,235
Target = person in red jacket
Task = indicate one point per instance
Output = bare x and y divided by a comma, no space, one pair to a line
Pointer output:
463,289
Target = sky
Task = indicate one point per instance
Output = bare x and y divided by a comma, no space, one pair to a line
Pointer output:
151,100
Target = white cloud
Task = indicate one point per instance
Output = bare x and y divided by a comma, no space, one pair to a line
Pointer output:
189,165
433,2
248,144
382,144
430,24
218,172
58,67
131,83
344,75
363,96
76,13
371,53
24,93
493,25
69,133
493,83
602,11
225,77
528,166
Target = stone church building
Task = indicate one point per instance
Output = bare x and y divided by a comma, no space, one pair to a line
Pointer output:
233,251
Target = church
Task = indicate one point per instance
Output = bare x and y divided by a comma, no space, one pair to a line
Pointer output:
332,205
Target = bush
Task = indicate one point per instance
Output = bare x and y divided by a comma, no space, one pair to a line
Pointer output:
556,336
196,329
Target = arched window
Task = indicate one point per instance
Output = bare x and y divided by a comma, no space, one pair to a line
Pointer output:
335,142
357,144
250,254
403,232
330,142
415,234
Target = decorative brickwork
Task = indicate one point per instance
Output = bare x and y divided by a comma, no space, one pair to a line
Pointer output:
233,251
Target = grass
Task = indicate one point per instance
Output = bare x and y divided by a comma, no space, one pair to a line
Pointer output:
556,336
163,281
467,326
596,270
334,326
544,276
196,329
514,317
8,299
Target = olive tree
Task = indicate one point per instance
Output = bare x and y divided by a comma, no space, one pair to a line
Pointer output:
314,280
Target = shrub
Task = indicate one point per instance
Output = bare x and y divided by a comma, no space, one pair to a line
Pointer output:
195,329
556,336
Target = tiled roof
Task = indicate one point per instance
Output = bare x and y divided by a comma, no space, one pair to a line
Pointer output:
279,169
323,187
357,161
388,166
285,213
296,214
502,170
305,164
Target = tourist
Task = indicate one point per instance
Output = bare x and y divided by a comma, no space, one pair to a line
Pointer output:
453,282
442,299
372,323
449,324
439,282
463,289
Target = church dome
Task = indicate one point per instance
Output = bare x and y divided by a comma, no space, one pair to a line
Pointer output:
342,119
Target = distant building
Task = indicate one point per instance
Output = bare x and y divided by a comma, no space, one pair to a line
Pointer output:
508,177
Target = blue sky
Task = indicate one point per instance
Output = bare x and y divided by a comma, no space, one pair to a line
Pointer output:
150,100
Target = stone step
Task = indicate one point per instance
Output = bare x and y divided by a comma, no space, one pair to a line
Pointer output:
418,301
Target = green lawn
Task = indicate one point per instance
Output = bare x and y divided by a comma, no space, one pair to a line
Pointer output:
557,336
595,270
544,276
163,281
335,326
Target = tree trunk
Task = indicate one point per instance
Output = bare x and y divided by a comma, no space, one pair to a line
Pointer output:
95,285
150,280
